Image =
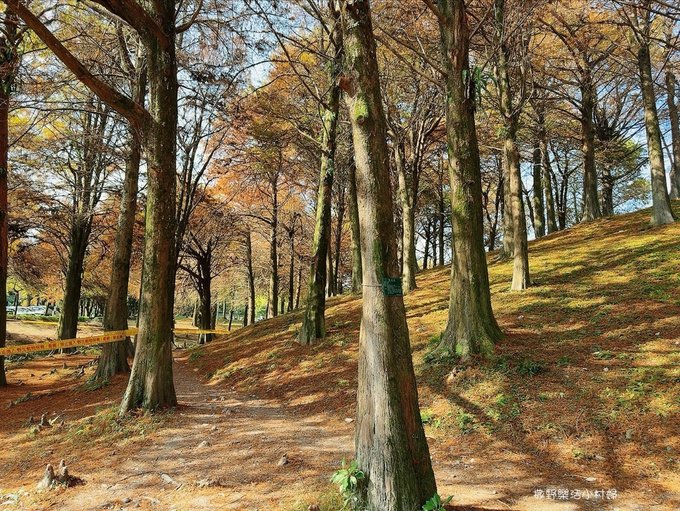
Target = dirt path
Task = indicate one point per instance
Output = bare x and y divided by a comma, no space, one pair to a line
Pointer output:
220,451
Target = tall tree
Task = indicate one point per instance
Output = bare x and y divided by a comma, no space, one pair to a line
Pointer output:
10,37
391,446
113,359
471,328
639,19
313,323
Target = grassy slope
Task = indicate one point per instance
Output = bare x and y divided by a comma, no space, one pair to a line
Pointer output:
600,327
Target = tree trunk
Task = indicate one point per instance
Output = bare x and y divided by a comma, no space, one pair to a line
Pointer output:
471,328
273,310
408,219
313,322
539,204
356,232
151,383
251,280
9,61
671,87
442,219
391,447
426,251
591,204
206,318
337,275
547,181
508,248
245,316
194,316
113,359
298,291
291,271
661,205
520,271
607,192
68,322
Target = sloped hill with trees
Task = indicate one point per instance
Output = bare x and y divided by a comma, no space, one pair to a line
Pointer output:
583,393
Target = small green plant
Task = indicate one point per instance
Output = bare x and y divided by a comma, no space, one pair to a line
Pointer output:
563,361
348,480
465,422
528,367
603,355
435,503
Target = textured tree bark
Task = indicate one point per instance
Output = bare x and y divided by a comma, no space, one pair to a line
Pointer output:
313,322
671,88
408,220
661,204
251,281
591,204
113,359
206,318
471,328
391,447
356,232
9,61
539,203
520,270
73,280
151,382
607,192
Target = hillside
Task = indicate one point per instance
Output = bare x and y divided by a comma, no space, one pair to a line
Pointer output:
584,395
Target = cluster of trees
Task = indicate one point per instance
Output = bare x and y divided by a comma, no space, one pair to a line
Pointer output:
265,155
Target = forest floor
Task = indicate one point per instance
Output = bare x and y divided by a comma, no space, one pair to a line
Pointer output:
580,410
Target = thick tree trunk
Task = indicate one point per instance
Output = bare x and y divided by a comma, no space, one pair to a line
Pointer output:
471,328
151,383
591,204
313,322
206,318
356,232
661,205
8,64
73,280
391,447
251,280
671,87
113,359
408,221
607,192
539,203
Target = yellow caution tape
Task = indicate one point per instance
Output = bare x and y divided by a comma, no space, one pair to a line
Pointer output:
108,337
68,343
